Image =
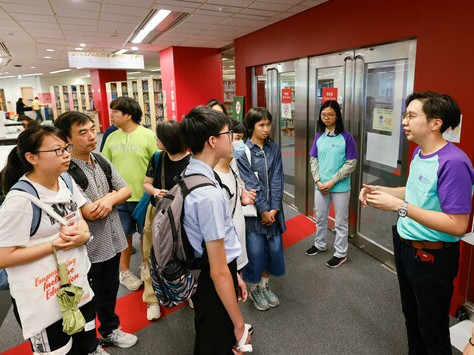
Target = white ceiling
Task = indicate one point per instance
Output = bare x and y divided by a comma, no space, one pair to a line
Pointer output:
29,27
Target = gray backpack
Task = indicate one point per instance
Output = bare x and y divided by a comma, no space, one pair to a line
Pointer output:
174,269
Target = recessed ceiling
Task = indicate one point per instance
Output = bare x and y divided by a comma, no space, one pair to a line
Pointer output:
29,27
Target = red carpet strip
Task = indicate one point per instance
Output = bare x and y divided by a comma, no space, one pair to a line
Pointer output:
132,310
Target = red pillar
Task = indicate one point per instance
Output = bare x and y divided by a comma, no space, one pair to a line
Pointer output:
190,77
98,79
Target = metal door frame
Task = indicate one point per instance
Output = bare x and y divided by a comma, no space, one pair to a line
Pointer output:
380,53
273,97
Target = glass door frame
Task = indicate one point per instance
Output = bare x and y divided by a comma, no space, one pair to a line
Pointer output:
273,89
353,105
405,50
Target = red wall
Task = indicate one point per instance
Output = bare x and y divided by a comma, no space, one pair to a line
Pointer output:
196,75
98,79
444,32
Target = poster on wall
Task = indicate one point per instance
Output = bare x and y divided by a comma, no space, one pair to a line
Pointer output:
329,94
453,135
238,108
382,149
383,120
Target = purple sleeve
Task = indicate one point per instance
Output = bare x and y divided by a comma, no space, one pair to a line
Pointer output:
455,183
314,149
351,150
415,152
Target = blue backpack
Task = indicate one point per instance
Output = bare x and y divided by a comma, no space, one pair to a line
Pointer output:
26,186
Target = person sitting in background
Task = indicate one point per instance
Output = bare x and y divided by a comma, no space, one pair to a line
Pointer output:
172,161
26,122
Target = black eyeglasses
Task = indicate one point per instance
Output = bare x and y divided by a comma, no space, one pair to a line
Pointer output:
59,151
230,134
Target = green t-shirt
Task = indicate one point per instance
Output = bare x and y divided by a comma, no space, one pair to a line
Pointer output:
130,154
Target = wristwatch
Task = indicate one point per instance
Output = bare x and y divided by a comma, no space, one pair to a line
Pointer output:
402,211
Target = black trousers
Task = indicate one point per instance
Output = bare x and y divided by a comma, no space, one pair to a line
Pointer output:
214,328
426,289
53,338
104,281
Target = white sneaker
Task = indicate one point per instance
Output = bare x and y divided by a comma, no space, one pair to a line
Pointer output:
99,351
153,311
130,281
121,339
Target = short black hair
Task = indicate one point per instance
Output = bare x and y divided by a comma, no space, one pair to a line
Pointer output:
254,115
169,133
213,102
127,106
237,127
66,120
199,124
438,106
339,123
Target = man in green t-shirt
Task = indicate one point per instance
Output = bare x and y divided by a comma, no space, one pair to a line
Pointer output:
129,149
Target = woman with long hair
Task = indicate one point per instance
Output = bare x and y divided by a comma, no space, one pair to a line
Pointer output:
333,159
27,243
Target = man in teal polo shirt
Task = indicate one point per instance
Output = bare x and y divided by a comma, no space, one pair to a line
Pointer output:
434,210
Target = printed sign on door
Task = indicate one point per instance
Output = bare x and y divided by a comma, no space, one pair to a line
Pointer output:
329,94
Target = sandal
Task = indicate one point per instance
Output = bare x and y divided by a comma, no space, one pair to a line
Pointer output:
241,346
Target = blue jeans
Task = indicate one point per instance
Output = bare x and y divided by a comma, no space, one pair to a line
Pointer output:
264,254
129,224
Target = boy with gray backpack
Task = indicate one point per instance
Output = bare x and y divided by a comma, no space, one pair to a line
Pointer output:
202,224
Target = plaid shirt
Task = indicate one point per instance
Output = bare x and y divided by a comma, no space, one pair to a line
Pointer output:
109,237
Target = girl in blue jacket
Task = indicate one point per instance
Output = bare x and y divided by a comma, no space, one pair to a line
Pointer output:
262,170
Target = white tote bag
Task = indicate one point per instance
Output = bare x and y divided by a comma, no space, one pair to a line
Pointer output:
249,210
34,285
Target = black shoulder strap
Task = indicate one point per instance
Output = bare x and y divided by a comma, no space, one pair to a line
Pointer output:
78,175
106,168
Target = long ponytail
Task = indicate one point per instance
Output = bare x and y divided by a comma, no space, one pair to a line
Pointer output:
29,140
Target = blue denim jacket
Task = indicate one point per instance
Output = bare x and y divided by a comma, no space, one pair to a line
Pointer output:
267,164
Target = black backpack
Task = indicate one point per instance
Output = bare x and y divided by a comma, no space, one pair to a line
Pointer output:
81,179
